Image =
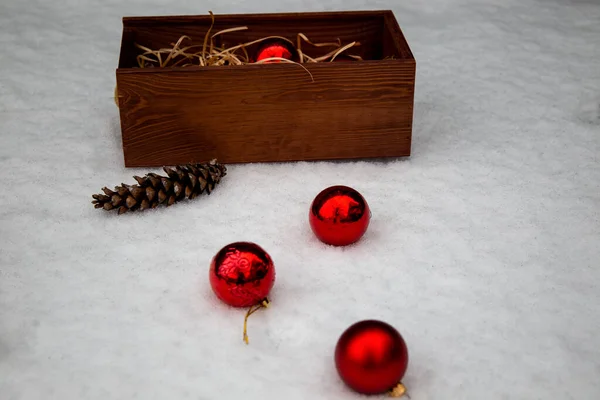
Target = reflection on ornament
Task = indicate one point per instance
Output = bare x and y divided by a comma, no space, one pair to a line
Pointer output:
275,48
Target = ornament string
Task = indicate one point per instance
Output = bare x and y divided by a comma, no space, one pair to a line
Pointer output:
264,304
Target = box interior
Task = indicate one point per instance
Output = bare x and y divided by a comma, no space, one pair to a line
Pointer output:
377,32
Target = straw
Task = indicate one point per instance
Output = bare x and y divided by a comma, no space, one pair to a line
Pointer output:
209,54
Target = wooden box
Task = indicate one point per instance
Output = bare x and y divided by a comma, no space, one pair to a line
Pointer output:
267,112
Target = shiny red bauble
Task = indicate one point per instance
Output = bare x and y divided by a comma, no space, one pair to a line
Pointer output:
242,274
275,48
371,357
339,216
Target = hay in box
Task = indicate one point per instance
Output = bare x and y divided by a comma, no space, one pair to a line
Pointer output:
304,108
267,49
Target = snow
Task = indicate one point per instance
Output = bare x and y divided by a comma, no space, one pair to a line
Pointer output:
483,251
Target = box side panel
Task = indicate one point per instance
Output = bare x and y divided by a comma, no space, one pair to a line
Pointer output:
267,113
393,40
410,66
128,53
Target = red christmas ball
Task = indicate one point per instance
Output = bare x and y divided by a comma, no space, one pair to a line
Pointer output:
339,216
275,48
242,274
371,357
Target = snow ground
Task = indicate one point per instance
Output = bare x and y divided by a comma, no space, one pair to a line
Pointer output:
484,248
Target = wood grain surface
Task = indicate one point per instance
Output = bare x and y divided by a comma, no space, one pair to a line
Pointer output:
275,112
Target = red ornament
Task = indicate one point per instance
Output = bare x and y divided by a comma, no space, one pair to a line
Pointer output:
275,48
339,216
242,274
371,358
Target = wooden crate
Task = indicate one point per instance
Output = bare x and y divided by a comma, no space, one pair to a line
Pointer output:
267,112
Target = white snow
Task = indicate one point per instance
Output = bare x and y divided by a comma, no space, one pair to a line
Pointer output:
483,251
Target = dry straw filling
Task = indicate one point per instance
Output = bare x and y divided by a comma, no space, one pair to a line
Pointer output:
208,54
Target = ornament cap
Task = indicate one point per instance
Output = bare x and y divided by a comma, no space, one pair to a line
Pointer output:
398,391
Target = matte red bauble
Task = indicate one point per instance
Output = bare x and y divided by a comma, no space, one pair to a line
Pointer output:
371,358
339,216
275,48
242,274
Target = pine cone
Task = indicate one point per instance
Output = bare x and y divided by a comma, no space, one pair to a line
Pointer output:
183,182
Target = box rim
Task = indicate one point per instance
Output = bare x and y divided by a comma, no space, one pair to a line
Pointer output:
140,20
245,67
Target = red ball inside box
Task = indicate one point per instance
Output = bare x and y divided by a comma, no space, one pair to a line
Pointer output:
276,48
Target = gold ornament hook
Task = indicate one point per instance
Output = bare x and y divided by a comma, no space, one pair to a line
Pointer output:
264,304
398,391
